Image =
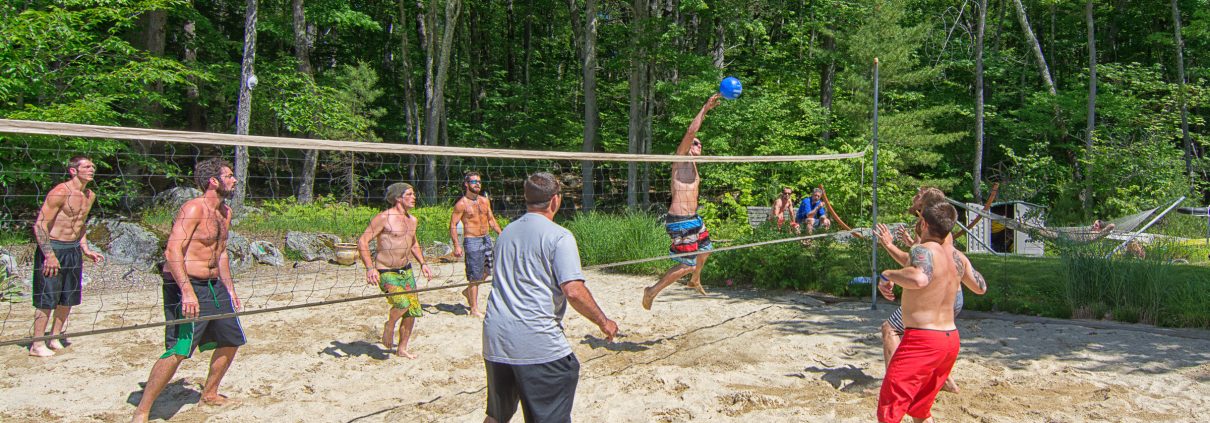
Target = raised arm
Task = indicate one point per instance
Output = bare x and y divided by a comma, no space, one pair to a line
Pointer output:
581,299
456,217
883,234
918,274
971,278
691,133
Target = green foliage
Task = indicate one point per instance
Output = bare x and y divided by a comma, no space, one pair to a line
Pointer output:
609,238
1132,289
10,289
337,218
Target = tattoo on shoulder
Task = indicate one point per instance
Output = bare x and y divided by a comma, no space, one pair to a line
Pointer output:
958,265
979,280
922,257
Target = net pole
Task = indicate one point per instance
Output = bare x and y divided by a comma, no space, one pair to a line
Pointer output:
874,203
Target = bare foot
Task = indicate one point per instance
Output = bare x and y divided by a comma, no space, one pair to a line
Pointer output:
405,353
648,298
138,417
388,334
54,344
477,314
697,284
40,350
950,386
218,401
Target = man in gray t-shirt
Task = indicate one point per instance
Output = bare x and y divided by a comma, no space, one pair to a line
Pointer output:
537,272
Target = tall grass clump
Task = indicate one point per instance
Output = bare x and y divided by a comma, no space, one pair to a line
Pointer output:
1122,286
611,238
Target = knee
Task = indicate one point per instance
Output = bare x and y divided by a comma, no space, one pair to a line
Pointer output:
888,331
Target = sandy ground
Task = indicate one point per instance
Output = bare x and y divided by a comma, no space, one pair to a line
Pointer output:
732,355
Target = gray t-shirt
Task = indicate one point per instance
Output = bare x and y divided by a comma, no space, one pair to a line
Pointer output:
534,258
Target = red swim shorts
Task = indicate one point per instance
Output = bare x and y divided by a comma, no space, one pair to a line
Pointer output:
917,371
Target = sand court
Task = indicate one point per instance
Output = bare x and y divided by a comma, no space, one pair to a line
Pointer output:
733,355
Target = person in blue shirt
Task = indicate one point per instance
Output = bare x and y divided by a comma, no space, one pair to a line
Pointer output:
811,212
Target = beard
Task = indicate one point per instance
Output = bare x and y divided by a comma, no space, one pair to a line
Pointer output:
226,194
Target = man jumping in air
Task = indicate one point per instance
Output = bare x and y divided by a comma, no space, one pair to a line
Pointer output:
684,226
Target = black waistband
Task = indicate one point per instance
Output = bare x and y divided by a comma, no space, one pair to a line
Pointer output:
933,330
63,245
396,270
673,218
168,278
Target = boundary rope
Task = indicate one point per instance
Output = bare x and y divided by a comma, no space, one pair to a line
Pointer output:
142,134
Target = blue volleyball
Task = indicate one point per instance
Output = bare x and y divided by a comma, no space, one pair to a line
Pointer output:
730,88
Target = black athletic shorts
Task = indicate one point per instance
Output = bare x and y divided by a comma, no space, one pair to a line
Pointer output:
62,289
213,299
546,390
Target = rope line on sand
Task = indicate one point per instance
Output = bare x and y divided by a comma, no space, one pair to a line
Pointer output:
382,295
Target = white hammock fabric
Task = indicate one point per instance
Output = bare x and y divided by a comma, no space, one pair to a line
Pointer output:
1123,224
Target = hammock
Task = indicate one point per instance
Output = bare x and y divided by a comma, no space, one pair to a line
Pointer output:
1125,224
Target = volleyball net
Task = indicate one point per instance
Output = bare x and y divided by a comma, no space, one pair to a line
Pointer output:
303,201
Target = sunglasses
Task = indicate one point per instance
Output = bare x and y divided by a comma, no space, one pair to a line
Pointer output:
473,182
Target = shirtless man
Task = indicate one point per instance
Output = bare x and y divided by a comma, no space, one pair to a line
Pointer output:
930,343
58,262
474,211
683,225
892,328
391,268
197,283
781,205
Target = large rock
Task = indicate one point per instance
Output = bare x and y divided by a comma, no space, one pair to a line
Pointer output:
312,246
437,249
126,243
239,252
8,263
173,198
266,253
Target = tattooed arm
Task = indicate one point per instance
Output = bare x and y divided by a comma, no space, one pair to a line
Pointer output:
918,274
971,278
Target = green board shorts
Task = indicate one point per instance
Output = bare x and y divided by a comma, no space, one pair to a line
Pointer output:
213,299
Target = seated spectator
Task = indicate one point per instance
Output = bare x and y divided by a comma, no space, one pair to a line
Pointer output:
812,213
782,205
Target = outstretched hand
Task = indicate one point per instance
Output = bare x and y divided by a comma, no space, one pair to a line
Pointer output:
713,102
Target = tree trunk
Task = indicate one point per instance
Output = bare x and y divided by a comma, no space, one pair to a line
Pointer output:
1043,69
193,108
155,22
244,109
511,32
430,124
638,72
435,84
827,76
978,172
302,53
1180,71
527,41
592,116
1092,98
720,45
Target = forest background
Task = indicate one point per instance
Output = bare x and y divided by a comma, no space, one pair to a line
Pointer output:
1093,108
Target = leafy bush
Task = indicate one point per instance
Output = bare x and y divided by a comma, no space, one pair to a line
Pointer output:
823,264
